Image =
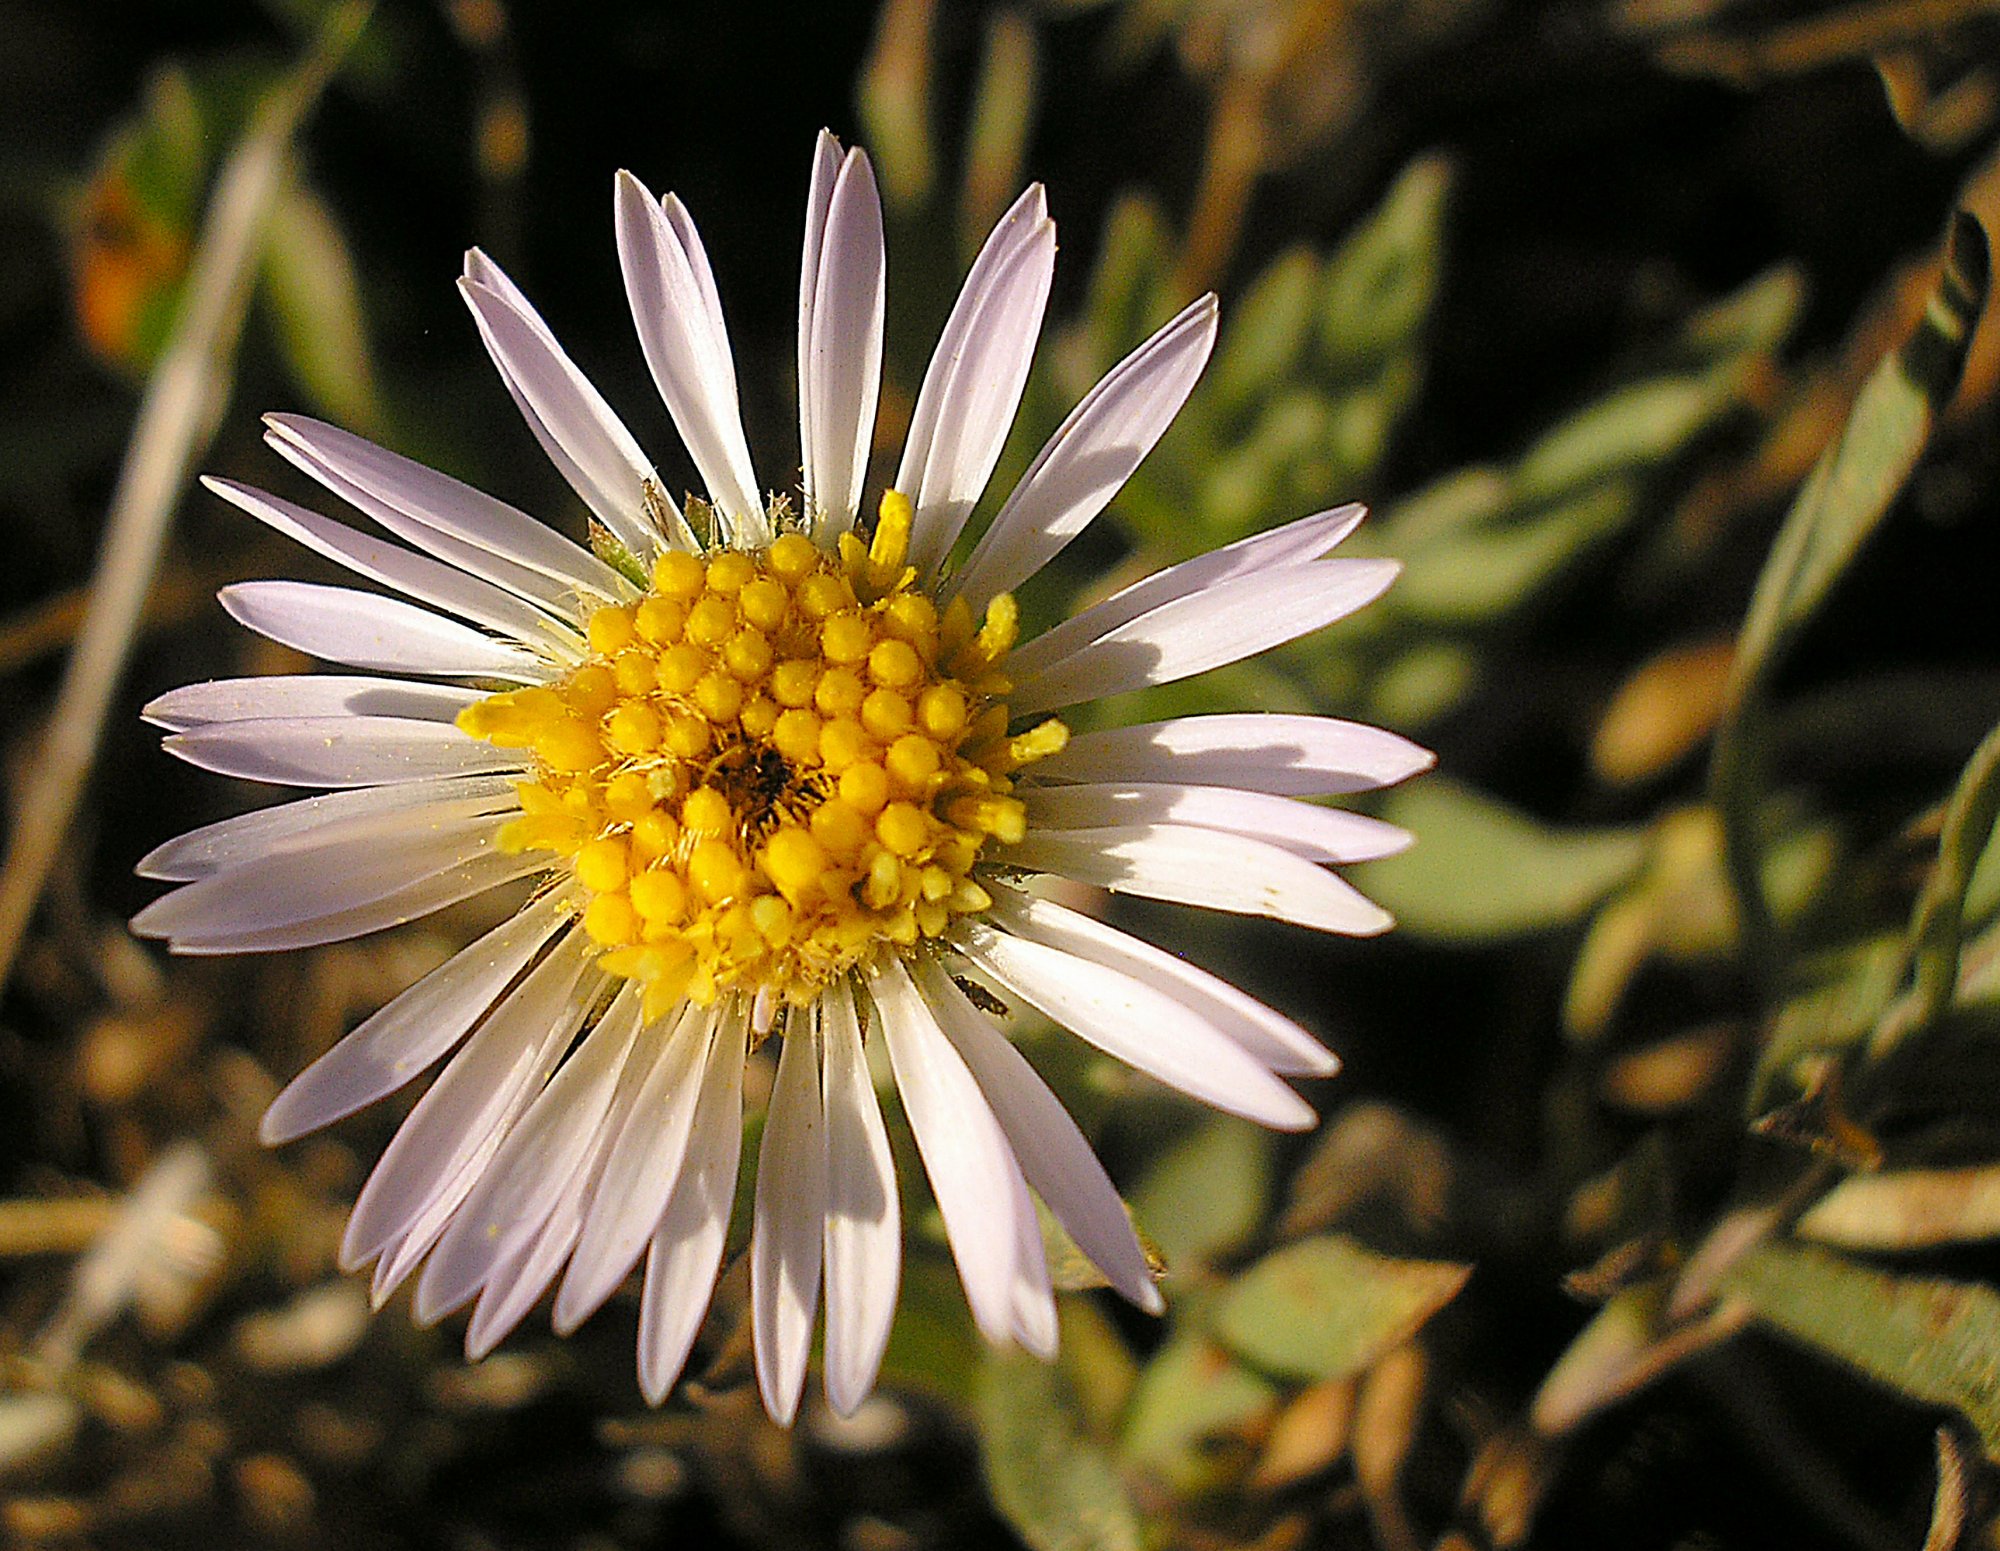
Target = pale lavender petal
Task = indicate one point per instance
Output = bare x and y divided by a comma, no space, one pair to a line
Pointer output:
864,1247
520,1187
687,349
788,1224
585,440
1136,1023
1268,1035
476,1098
1203,867
339,750
973,385
225,843
641,1168
1053,1153
971,1168
843,356
1294,544
488,870
1305,829
339,867
1296,756
447,517
1091,455
412,1031
284,696
1032,1299
366,630
1190,634
417,577
687,1245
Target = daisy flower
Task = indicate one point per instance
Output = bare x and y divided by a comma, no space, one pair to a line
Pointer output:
775,772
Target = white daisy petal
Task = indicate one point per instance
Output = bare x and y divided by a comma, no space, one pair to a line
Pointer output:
419,898
342,867
842,369
965,1154
1090,457
526,1271
788,1224
521,1275
338,750
1315,833
644,1161
1138,1024
704,277
863,1248
1280,549
486,1084
976,375
687,1245
819,197
1053,1153
366,630
304,694
1203,867
1259,751
1201,630
520,1187
682,336
412,1031
440,514
227,842
417,577
1033,1299
1268,1035
585,440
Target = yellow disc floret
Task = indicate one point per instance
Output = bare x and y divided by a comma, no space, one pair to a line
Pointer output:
773,766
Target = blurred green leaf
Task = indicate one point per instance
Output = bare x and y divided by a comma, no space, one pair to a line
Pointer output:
1756,319
1493,571
1048,1476
1206,1194
1939,921
1421,684
1380,283
1445,507
1325,1308
1851,489
1932,1340
1833,1008
1003,116
1481,869
1191,1390
315,299
1264,334
895,100
932,1345
1632,429
1846,497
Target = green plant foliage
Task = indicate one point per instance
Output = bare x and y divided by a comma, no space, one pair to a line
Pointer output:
1191,1390
1324,1308
1488,871
1932,1339
1207,1195
314,297
1055,1484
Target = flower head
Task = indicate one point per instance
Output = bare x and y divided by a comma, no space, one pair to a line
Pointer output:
779,772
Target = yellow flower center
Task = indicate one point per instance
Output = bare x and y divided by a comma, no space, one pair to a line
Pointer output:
774,765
